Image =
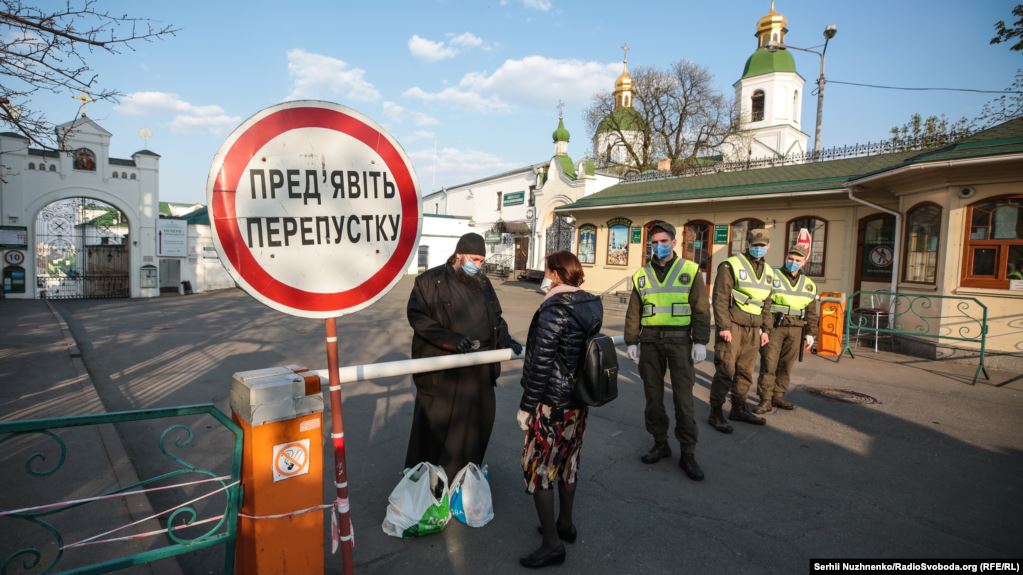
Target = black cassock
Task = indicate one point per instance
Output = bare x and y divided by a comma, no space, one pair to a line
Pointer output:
454,409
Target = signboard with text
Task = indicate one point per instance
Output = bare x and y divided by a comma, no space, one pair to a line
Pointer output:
721,234
514,198
14,237
316,210
171,238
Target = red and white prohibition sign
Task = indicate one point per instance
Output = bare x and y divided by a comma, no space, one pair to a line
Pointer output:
316,210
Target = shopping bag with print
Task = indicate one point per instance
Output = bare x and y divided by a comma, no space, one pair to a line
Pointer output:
419,503
471,501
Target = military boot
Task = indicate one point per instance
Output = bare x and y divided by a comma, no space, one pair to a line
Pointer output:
741,413
717,420
764,407
658,452
780,403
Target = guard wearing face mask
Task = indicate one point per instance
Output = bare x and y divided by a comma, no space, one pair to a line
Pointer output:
794,307
742,288
453,309
669,317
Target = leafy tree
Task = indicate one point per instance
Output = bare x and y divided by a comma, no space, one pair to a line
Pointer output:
47,49
680,116
1009,33
930,131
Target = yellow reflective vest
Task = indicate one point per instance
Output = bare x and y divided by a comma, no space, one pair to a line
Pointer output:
666,303
792,299
750,292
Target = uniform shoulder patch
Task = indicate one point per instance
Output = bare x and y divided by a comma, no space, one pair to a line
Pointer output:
743,275
642,282
776,284
684,279
810,288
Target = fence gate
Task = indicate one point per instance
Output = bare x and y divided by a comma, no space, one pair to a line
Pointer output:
559,235
82,250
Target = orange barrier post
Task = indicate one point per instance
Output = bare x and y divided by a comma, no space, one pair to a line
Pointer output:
282,471
832,324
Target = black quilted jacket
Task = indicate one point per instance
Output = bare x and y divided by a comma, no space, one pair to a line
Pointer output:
558,330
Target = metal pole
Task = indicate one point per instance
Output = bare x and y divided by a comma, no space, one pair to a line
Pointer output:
337,435
820,110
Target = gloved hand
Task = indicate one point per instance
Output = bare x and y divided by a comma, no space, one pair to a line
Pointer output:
515,346
809,340
699,352
523,418
633,351
464,346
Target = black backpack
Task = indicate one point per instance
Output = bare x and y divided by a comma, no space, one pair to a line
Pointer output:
595,381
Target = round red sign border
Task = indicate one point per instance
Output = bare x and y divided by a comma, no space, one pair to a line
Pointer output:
233,167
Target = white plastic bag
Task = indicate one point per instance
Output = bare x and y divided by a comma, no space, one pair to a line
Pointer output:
471,501
419,503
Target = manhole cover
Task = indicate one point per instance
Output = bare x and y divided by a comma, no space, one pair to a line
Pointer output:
843,395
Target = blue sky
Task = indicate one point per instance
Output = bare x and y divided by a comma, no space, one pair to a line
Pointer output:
480,81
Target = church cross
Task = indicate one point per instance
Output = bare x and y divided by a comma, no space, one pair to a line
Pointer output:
84,99
561,109
625,49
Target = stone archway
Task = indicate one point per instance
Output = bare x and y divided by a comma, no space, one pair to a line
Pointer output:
82,250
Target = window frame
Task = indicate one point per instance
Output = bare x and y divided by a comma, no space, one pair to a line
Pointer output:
753,105
1001,247
905,243
579,242
709,247
824,250
861,274
731,227
619,221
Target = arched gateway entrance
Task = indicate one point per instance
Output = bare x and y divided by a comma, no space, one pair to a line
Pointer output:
82,250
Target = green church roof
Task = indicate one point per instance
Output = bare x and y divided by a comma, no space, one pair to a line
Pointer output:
561,134
624,119
764,61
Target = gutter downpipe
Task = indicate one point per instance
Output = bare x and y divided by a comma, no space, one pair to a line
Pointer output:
896,248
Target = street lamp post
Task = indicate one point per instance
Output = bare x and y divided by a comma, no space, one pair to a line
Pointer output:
829,33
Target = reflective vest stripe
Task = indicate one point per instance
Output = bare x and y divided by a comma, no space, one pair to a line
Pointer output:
791,299
674,310
788,310
749,292
745,299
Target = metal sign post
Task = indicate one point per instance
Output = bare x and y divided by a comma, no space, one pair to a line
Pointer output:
316,212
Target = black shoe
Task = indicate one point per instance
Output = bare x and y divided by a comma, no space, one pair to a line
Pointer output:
717,420
741,413
567,536
658,452
535,561
782,404
688,464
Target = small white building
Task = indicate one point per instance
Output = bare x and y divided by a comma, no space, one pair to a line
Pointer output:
78,223
437,240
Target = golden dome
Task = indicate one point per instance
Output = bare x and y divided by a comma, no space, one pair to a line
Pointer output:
624,81
772,27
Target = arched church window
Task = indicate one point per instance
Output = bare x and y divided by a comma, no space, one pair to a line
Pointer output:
31,165
53,167
85,159
758,105
795,106
133,176
116,175
124,175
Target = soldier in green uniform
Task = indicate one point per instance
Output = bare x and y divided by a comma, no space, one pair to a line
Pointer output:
742,288
794,308
669,317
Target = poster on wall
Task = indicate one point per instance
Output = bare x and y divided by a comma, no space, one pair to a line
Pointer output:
171,238
14,237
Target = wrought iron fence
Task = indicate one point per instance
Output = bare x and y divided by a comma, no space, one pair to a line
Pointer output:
89,286
883,313
181,522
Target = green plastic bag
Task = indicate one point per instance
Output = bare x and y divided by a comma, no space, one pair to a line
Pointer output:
419,505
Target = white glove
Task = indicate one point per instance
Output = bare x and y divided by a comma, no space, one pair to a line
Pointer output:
523,419
633,351
809,341
699,352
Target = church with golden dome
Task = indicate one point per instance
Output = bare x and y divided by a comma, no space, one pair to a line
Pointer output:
618,138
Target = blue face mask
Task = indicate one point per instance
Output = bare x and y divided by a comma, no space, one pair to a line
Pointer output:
792,267
662,251
758,252
470,268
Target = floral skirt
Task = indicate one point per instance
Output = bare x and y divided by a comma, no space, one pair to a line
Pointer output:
552,446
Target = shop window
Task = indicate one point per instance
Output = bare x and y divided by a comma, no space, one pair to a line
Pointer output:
923,230
994,242
587,244
740,229
818,229
618,241
758,105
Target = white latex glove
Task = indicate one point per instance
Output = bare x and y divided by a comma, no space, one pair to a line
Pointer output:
633,351
699,352
523,419
809,341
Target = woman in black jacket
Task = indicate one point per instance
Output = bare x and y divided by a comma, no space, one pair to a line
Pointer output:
549,413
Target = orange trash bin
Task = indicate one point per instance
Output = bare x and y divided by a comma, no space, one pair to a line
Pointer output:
831,324
281,414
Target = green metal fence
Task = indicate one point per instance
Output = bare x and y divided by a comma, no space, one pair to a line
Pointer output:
47,557
884,313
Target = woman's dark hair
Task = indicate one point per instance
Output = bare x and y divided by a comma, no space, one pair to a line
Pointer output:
567,266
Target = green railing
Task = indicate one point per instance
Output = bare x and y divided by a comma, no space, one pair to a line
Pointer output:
917,315
47,557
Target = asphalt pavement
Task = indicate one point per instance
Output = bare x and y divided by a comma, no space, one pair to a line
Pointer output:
916,463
